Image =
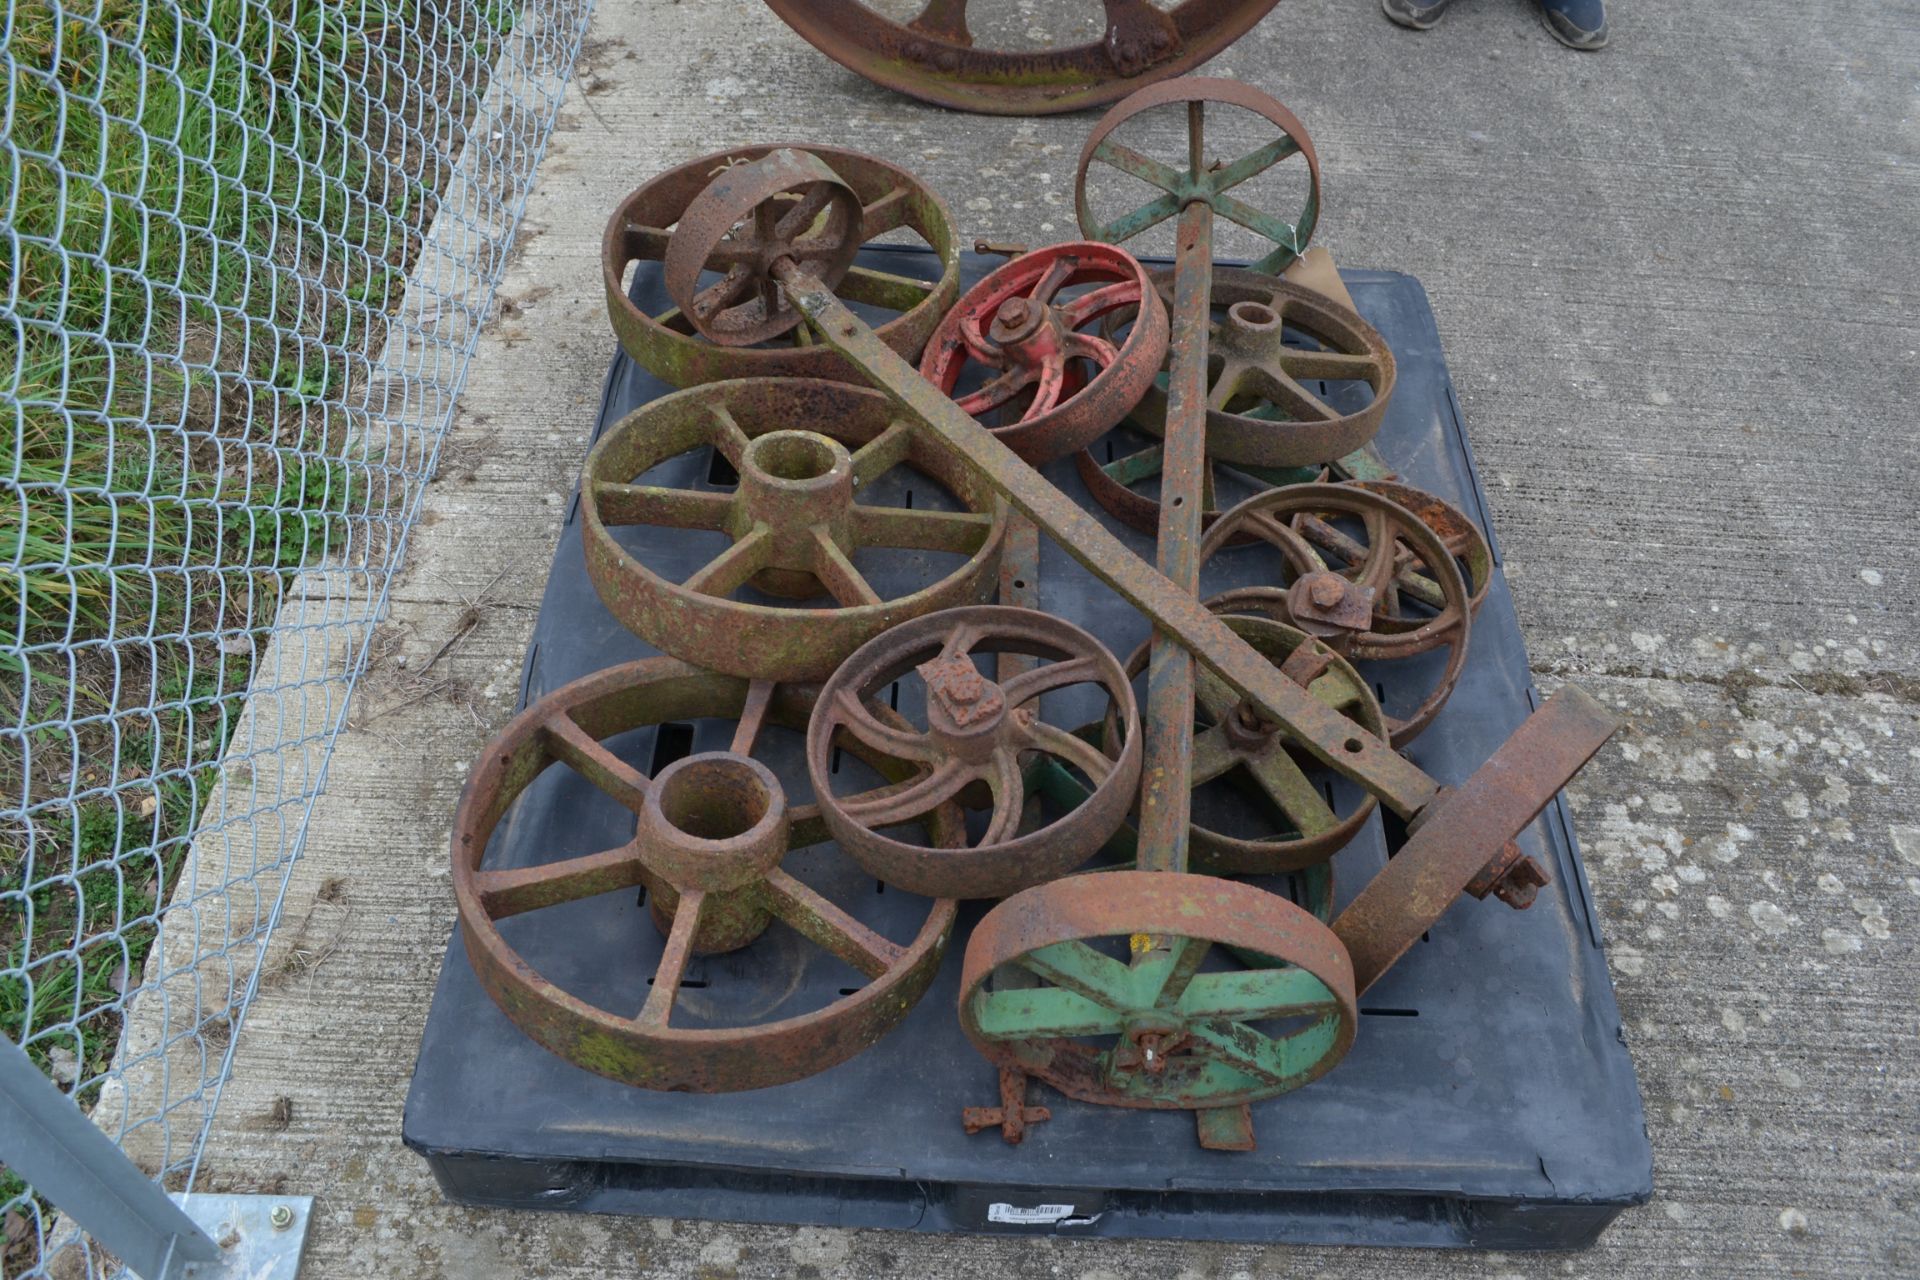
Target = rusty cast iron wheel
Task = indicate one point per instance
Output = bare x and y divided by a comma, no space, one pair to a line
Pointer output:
793,520
1233,742
709,835
1339,585
1200,179
933,58
1111,484
788,205
1019,322
1259,412
978,731
669,346
1169,1035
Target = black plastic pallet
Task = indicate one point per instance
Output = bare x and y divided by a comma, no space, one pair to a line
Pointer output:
1488,1100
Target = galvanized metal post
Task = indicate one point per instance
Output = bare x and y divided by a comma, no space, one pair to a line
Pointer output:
46,1141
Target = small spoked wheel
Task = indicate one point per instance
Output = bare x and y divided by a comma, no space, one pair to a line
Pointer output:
733,262
1050,386
937,57
1200,178
710,833
1271,401
1235,744
1349,558
976,741
804,453
1132,989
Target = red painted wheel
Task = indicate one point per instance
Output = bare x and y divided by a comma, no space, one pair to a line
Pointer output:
1051,386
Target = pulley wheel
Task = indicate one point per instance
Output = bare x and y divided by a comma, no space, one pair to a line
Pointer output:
1125,988
671,347
1050,387
804,451
977,731
710,832
934,56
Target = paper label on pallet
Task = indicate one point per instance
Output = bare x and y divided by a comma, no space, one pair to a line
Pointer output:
1040,1215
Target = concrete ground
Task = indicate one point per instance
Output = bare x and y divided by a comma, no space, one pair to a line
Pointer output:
1678,287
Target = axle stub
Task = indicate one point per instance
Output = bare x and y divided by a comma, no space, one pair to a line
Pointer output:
1201,180
671,347
804,450
1051,386
935,57
979,735
1124,988
1235,744
1349,559
710,833
1268,398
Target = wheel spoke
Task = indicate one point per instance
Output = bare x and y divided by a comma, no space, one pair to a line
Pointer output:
509,892
888,213
1089,307
646,243
1055,741
843,582
1275,229
1025,1012
1332,366
574,747
901,743
1254,162
1241,1048
1292,791
753,715
1135,467
727,572
795,222
1336,691
1162,976
1077,967
727,436
1053,380
882,289
625,504
1028,685
1213,695
1292,399
883,453
828,927
1086,346
1051,280
1146,217
905,801
1227,385
1252,995
1213,755
960,532
730,290
1009,797
997,392
1143,167
673,961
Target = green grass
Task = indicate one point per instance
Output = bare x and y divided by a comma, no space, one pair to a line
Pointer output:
214,215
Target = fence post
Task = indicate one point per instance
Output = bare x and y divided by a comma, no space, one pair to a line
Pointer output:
49,1144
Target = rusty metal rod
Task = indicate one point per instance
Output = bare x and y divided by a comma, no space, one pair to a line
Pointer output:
1339,743
1166,799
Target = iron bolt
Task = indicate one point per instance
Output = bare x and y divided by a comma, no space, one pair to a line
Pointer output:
281,1217
1327,590
1014,313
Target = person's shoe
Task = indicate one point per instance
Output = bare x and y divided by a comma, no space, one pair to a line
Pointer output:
1417,14
1577,24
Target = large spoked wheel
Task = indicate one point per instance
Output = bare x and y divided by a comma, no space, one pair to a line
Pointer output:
1268,399
934,58
1234,743
1051,387
710,832
671,346
1349,557
978,732
804,451
1200,179
1131,989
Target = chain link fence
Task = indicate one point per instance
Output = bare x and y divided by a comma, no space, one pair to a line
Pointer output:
245,249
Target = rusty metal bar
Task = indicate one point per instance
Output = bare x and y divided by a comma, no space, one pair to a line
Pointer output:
1344,747
1166,800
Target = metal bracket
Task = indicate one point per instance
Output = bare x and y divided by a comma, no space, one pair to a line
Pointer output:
260,1237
